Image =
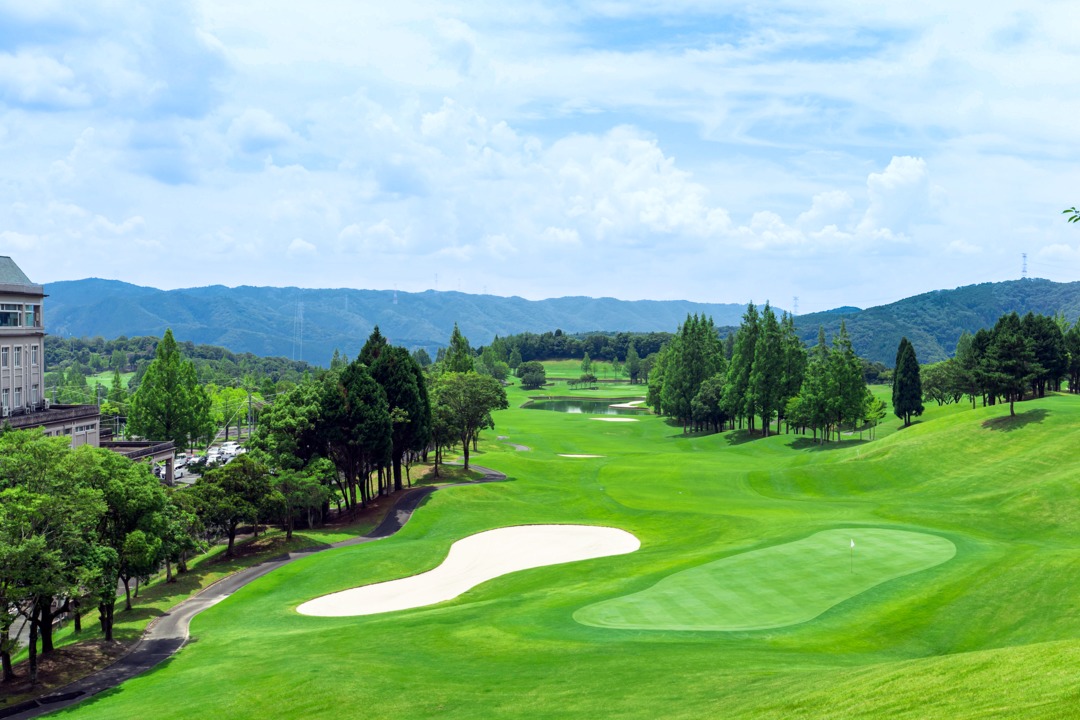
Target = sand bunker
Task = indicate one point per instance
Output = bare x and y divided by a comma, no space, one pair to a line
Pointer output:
615,419
631,404
474,560
579,456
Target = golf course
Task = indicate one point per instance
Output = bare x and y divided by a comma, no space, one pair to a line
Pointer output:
932,572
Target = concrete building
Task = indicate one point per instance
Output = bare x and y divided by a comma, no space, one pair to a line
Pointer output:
23,401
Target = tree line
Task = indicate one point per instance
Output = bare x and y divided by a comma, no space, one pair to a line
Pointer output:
760,376
1017,357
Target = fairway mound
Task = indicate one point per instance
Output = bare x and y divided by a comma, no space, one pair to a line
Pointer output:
776,586
615,419
579,456
474,560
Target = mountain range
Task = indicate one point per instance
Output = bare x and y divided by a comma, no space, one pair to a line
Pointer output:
310,324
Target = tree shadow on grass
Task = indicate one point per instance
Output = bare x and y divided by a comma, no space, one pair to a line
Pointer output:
810,444
1008,423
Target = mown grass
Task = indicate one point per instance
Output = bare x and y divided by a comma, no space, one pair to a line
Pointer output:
994,631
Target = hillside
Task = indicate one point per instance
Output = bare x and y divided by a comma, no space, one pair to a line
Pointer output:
934,321
261,320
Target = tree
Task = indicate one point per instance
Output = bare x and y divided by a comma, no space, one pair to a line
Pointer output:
766,372
48,522
355,428
1072,215
420,355
170,404
1048,347
633,363
515,359
403,383
586,364
1010,363
296,494
231,495
532,374
459,357
468,400
907,385
737,397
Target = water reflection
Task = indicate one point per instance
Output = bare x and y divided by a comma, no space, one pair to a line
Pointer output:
583,406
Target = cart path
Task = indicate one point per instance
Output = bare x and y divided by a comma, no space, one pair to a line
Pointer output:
167,634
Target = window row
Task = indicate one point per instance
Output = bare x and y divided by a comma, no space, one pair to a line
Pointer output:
7,351
20,315
5,397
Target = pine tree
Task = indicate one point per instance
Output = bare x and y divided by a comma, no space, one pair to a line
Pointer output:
766,371
907,385
633,363
1010,363
459,357
738,401
170,404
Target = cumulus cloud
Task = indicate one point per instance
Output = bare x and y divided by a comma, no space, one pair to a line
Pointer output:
621,186
900,196
379,237
35,79
19,241
299,247
256,130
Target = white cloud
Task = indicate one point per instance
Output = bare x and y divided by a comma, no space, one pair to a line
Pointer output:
256,130
299,246
36,79
900,196
19,241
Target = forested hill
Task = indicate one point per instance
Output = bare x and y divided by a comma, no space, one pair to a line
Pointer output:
934,321
265,320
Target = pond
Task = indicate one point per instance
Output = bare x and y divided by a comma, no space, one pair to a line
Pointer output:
586,406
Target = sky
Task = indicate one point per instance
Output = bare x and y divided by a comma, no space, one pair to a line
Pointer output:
840,153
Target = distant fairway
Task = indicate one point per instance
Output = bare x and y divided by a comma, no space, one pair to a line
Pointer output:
775,586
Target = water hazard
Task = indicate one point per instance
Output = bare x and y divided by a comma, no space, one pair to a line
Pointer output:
585,406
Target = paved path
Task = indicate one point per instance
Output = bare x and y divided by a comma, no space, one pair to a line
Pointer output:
165,636
519,448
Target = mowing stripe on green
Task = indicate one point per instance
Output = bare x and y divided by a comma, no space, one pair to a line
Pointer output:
775,586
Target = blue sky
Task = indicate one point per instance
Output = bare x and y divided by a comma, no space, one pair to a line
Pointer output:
847,154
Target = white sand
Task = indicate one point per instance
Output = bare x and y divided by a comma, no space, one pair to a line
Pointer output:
616,419
579,456
476,559
631,404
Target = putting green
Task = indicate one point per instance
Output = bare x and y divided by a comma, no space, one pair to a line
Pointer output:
775,586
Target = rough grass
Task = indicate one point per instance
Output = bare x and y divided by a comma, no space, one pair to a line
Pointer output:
992,632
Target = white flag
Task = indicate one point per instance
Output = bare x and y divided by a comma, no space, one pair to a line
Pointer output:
853,544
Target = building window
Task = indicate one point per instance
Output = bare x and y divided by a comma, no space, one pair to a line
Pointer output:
33,394
9,315
4,356
18,397
18,356
5,398
85,428
33,355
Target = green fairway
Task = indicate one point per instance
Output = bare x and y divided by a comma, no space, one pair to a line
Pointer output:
910,630
775,586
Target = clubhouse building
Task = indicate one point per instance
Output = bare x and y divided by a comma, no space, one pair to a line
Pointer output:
23,402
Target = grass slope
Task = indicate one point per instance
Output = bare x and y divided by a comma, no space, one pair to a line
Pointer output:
995,631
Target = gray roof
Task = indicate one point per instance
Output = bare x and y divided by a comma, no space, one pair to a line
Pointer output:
10,274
